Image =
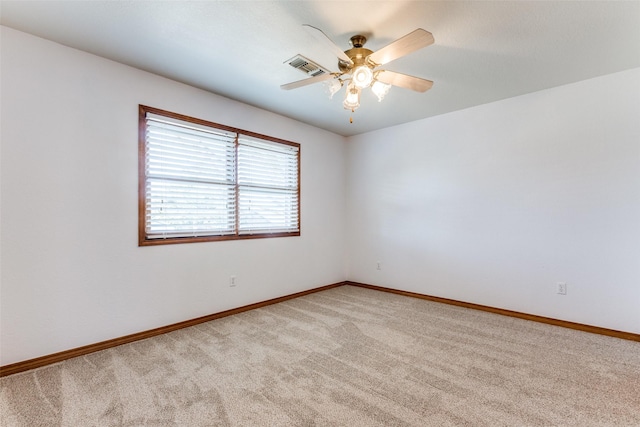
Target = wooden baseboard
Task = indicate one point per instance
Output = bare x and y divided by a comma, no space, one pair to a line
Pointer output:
566,324
91,348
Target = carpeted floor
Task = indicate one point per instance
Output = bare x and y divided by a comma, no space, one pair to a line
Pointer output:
343,357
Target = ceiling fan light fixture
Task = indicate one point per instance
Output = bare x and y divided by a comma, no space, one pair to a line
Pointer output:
380,89
362,76
352,97
333,86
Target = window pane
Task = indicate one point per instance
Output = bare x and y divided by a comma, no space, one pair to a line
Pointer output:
180,209
268,187
267,165
177,151
267,211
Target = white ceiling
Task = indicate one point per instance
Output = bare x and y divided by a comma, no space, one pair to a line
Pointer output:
484,50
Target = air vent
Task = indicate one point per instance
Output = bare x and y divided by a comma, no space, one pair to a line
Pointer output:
307,66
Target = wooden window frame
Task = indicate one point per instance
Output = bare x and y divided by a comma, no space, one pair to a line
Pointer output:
143,240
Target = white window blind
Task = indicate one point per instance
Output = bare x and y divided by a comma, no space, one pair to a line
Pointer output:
190,188
267,186
202,181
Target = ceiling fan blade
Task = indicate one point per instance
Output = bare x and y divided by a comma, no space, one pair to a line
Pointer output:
321,36
405,81
305,82
413,41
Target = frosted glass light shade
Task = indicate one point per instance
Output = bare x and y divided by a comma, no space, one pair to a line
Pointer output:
380,89
332,86
362,76
352,97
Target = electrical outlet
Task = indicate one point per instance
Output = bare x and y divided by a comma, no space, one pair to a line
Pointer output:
562,288
232,281
378,265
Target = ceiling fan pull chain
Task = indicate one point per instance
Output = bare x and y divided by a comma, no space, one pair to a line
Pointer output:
351,118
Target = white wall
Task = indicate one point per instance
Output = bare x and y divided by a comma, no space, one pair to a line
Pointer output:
72,273
496,204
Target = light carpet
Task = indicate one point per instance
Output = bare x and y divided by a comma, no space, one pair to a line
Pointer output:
346,356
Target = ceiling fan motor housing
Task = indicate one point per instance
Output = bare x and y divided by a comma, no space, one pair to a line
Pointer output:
357,54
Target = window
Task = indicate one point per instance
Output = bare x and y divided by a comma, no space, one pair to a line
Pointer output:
201,181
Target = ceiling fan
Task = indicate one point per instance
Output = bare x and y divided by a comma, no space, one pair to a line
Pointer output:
359,67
